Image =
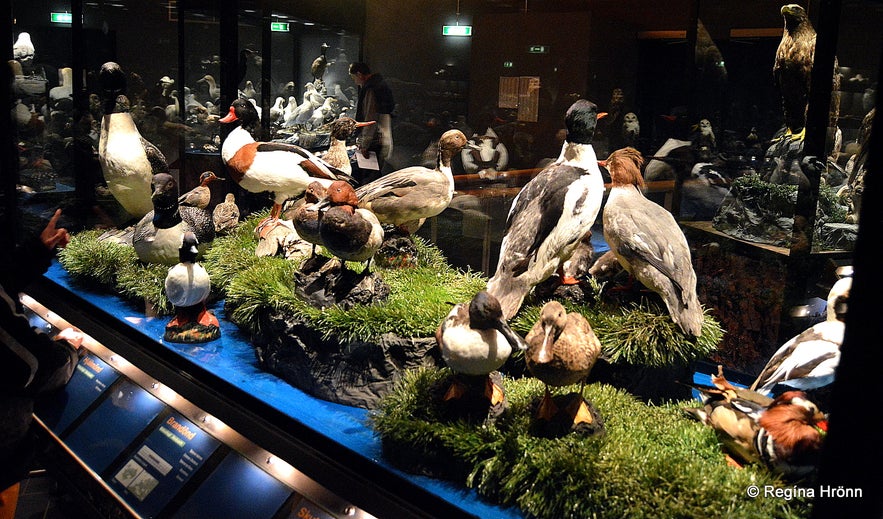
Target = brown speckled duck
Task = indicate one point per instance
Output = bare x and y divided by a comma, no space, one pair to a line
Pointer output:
562,349
341,130
201,195
407,197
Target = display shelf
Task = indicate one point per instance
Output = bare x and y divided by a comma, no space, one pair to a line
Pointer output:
330,443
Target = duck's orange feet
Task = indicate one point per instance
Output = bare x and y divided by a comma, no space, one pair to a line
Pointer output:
547,408
456,391
493,392
207,318
580,412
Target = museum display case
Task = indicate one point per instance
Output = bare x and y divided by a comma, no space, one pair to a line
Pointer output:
289,403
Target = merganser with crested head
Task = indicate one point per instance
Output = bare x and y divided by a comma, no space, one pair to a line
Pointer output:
407,197
128,161
283,169
649,243
475,340
551,214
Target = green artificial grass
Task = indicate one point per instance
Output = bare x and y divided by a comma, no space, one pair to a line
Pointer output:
420,297
653,461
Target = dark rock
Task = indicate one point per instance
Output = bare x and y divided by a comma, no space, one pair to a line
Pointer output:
323,282
356,373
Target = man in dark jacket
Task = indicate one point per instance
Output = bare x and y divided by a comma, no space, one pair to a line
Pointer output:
32,364
375,103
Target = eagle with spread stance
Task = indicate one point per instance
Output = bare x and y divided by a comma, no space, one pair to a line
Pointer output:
793,67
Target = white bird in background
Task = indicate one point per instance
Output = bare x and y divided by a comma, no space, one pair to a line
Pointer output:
489,159
248,90
288,111
214,91
631,129
340,96
808,360
23,48
323,113
65,84
277,110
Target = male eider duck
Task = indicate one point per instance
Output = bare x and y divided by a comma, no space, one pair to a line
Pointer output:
649,243
475,340
187,287
346,230
551,214
157,237
407,197
283,169
128,161
562,349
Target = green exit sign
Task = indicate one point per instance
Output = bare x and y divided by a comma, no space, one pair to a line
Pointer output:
538,49
61,17
279,26
457,30
508,64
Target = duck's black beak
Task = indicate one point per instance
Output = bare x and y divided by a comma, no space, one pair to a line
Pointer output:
512,338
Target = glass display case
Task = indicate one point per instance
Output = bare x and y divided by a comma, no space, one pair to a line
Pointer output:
770,208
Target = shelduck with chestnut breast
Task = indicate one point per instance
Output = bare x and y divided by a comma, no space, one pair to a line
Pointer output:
283,169
475,340
551,214
347,231
407,197
649,243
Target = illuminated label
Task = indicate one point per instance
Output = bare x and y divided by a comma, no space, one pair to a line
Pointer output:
279,26
457,30
538,49
61,17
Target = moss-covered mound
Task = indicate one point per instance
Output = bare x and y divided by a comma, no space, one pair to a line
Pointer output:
652,462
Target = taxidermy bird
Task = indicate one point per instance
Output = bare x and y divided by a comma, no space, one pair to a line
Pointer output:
201,195
317,68
128,161
631,129
475,340
551,214
248,91
348,231
490,157
809,360
562,348
407,197
784,434
157,236
285,170
323,113
187,286
649,243
277,110
340,130
301,113
793,66
23,49
65,85
214,91
225,215
305,215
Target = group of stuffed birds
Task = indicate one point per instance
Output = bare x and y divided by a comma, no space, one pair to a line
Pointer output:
548,220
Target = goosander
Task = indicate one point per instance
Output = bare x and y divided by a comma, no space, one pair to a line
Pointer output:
341,130
785,434
809,359
283,169
649,243
187,286
407,197
551,214
128,161
347,231
157,237
562,349
475,340
201,195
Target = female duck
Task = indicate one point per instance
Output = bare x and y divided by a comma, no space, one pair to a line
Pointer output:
407,197
341,130
475,340
562,349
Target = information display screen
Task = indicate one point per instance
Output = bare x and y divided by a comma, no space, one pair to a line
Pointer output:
92,377
113,425
303,508
236,488
160,466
